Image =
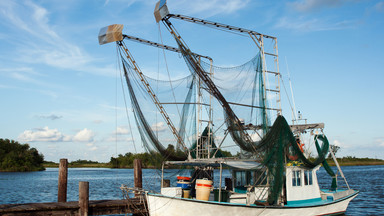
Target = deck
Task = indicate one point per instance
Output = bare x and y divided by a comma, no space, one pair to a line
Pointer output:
135,206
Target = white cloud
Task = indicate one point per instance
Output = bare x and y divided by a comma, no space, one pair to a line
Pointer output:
380,6
336,143
24,74
340,144
379,141
312,5
118,139
121,131
84,135
29,18
94,148
159,127
40,43
305,25
118,135
67,138
126,3
54,135
206,8
42,134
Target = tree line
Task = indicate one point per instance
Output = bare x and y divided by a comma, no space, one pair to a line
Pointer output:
16,157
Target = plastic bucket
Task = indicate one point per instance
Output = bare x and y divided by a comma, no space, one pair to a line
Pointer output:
203,189
186,193
224,195
184,185
183,178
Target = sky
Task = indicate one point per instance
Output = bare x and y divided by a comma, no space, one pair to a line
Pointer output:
61,91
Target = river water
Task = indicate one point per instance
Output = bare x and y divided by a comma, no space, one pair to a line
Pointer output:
31,187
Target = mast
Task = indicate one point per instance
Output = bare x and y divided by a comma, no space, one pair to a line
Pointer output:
200,151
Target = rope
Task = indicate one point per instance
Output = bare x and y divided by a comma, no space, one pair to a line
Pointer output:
166,66
126,107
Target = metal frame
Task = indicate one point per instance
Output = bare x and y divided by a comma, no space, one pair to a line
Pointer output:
152,94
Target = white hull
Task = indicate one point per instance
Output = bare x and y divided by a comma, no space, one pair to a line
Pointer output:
160,205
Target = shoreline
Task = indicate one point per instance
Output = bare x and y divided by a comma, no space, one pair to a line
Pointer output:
106,165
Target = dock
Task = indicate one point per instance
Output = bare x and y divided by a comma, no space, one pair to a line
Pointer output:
135,206
83,207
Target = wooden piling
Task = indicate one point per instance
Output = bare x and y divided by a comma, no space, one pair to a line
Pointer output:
83,198
137,174
134,206
63,177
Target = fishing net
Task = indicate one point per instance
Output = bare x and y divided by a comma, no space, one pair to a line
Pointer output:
179,99
241,99
153,131
243,88
275,146
276,141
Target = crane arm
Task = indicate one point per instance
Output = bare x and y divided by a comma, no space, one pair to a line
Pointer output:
159,45
113,33
217,25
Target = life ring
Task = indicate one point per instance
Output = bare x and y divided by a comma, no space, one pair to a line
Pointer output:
293,157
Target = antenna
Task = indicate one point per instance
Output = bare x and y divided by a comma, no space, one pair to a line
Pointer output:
293,98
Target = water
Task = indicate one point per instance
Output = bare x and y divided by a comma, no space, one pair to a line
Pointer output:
369,180
30,187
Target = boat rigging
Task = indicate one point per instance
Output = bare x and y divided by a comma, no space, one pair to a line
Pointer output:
275,178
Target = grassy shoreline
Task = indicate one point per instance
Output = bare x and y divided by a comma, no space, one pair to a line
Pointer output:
358,162
341,161
91,165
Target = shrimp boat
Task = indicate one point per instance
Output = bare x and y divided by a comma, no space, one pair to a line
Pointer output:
273,173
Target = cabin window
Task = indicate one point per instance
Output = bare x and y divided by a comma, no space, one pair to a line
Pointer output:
241,178
296,178
308,177
259,178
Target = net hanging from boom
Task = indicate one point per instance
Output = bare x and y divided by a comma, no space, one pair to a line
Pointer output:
243,87
275,143
155,136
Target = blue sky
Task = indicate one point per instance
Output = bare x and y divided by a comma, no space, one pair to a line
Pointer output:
61,92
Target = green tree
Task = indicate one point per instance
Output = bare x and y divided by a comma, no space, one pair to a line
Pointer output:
226,153
334,149
18,157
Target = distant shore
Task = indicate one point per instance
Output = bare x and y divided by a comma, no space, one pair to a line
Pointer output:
85,165
356,163
92,165
341,161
